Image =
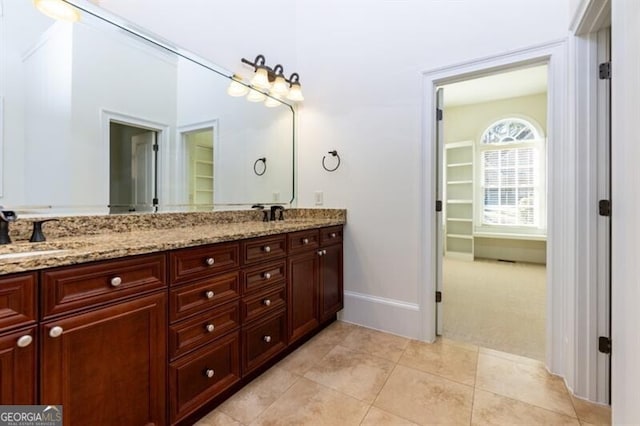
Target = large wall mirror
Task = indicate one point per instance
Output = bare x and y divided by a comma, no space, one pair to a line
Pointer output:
98,117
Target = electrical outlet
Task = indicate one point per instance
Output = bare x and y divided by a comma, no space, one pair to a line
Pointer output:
319,198
276,196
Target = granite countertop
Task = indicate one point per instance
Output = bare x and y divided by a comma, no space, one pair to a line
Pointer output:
71,250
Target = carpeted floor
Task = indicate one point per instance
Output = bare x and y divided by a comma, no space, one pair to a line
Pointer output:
497,305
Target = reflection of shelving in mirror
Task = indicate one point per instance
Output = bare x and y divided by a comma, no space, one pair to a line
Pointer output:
458,195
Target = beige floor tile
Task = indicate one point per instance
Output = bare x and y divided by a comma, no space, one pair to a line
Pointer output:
306,356
308,403
464,345
449,361
217,418
526,383
383,345
592,413
424,398
492,409
353,373
512,357
378,417
336,332
247,404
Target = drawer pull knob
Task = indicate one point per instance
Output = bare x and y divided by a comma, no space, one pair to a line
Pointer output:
267,275
305,241
209,294
116,281
55,331
25,341
324,252
267,249
267,339
333,235
210,328
209,373
266,302
210,261
320,253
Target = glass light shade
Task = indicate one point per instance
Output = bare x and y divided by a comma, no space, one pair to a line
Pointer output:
255,96
236,88
295,93
280,86
261,79
57,9
271,102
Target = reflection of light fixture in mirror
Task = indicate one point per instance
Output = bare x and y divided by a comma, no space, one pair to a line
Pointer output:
272,102
236,88
58,9
273,80
255,96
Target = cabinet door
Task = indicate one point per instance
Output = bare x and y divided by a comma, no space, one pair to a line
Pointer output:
18,367
331,291
107,366
303,294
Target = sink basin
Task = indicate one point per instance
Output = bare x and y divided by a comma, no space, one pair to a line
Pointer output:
29,254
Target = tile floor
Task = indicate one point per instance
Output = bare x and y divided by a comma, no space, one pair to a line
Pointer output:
351,375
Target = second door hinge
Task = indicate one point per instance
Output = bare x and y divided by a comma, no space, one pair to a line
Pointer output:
604,208
439,114
604,345
438,205
604,70
155,147
438,296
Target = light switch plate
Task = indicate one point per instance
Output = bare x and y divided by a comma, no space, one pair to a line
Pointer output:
319,198
276,196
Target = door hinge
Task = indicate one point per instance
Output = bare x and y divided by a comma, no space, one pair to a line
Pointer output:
604,345
438,296
155,147
604,207
605,71
439,114
438,205
155,202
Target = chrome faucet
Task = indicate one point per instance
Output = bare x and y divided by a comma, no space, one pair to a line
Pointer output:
6,216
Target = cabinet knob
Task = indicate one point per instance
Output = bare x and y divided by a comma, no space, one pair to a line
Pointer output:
55,331
266,275
210,328
266,302
209,373
25,341
305,241
267,249
267,339
210,261
116,281
333,235
320,253
209,294
324,252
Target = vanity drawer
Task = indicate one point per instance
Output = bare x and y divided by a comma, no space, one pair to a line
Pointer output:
264,248
263,304
263,340
204,328
304,240
193,263
191,299
18,300
263,276
198,377
330,235
82,286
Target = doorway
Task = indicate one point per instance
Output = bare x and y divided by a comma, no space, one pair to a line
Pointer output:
493,180
199,165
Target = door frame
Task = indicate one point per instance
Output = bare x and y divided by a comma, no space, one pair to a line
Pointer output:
561,194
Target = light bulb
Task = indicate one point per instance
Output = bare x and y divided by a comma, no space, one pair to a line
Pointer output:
261,79
280,86
295,93
57,9
255,96
271,102
236,88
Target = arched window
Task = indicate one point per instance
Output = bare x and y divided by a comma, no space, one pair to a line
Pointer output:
511,158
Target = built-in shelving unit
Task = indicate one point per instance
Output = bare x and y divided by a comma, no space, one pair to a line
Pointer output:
458,193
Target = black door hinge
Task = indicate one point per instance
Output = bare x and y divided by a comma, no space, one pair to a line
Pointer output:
604,207
155,147
438,114
604,345
605,71
438,205
155,201
438,296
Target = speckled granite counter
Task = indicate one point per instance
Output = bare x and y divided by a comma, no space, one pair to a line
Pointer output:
74,244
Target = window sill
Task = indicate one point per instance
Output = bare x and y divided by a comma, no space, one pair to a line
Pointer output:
510,236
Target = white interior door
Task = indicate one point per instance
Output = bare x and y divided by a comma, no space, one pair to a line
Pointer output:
142,171
440,206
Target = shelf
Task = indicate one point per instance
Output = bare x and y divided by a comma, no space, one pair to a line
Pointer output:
459,164
463,255
510,236
464,237
459,201
459,182
456,219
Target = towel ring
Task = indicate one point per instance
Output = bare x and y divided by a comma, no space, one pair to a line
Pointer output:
262,160
333,153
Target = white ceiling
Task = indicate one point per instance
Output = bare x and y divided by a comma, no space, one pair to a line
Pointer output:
511,84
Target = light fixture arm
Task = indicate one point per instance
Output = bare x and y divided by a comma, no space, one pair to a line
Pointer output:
295,78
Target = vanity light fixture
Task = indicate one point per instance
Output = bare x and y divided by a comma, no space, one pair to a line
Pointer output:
270,79
255,96
58,9
236,88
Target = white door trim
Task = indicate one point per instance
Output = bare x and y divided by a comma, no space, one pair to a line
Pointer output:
561,194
